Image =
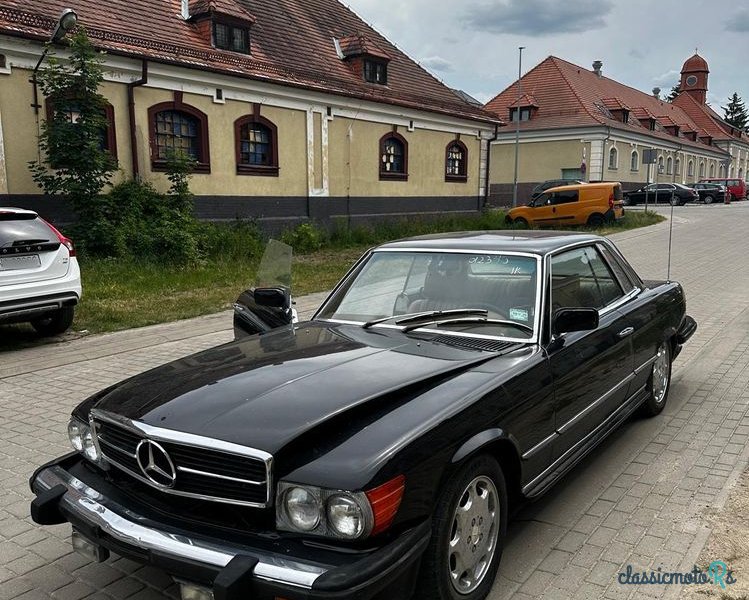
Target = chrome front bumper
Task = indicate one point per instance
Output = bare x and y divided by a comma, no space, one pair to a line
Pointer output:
125,526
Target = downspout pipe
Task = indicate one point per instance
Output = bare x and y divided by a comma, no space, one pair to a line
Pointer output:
487,179
131,113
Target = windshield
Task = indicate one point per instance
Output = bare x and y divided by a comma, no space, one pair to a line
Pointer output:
399,285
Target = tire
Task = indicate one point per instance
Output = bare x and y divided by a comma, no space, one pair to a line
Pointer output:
709,199
596,220
454,530
675,201
659,382
55,323
521,223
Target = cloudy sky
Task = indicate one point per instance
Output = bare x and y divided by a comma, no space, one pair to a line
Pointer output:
472,44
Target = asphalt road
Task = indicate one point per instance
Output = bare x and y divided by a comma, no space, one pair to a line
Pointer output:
640,500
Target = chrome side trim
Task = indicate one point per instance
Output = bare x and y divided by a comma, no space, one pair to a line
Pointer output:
595,403
540,446
645,365
217,476
124,525
579,443
160,434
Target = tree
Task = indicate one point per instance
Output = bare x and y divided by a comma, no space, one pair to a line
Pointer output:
675,91
73,161
735,113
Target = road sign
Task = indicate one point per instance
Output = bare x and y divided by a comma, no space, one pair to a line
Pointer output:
649,156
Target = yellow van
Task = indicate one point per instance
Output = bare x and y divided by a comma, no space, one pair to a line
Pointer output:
590,204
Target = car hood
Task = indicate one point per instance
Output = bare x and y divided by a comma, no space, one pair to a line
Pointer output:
266,391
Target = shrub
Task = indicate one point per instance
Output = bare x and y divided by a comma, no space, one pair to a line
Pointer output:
237,241
305,238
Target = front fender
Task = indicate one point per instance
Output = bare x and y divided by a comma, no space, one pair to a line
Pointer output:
481,440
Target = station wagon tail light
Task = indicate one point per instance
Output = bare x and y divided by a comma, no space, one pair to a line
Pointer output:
65,241
611,200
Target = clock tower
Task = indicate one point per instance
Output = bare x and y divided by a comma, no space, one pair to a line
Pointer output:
694,78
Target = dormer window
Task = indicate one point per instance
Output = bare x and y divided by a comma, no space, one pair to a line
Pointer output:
231,37
375,71
524,112
225,24
364,57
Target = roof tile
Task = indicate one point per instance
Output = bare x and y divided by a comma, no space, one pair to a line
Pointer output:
291,45
571,96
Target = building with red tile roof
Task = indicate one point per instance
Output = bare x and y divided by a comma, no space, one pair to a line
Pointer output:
293,109
582,124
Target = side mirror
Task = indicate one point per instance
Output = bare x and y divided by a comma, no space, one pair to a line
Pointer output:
567,320
272,297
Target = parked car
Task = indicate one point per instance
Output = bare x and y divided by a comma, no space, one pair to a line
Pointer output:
736,187
552,183
710,192
378,447
671,193
582,204
40,282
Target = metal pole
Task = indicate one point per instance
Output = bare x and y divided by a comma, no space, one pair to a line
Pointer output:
647,184
517,127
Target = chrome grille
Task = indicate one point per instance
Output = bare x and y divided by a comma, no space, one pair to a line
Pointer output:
204,468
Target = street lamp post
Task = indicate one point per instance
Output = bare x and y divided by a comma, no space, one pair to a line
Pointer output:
517,127
66,23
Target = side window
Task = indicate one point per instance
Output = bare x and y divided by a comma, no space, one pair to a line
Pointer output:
543,200
580,278
564,197
618,269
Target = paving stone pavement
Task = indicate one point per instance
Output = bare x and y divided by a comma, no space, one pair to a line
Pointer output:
637,500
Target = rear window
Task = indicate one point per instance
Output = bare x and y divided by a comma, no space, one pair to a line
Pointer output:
23,229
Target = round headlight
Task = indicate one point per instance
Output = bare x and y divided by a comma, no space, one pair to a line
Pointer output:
76,429
89,448
302,509
345,516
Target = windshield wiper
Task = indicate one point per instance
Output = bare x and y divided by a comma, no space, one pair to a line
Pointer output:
428,316
469,320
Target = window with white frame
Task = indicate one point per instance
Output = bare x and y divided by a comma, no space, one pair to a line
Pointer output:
634,161
613,158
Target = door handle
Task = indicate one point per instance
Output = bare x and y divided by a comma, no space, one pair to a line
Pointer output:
625,332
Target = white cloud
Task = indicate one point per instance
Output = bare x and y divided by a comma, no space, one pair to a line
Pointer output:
437,63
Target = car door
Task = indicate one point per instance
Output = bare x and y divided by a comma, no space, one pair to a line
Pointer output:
663,193
542,210
641,315
591,369
565,207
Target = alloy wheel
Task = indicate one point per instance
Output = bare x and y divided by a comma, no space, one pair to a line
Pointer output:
473,535
661,371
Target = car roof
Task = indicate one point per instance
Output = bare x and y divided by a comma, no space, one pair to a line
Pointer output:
533,242
16,211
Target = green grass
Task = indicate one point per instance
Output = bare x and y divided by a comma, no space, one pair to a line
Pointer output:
121,294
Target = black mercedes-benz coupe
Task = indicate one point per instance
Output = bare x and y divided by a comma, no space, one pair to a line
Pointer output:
373,451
